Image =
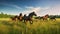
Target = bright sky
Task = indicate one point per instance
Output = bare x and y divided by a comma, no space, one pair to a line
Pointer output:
41,7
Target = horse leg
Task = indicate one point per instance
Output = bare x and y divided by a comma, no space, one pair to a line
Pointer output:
43,19
55,19
31,22
24,21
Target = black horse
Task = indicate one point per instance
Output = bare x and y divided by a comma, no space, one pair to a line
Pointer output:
29,17
53,18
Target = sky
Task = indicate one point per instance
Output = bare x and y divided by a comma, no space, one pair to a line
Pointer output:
40,7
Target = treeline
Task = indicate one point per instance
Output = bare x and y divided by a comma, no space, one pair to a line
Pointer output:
57,16
2,15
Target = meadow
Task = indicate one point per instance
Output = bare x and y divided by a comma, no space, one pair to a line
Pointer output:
7,26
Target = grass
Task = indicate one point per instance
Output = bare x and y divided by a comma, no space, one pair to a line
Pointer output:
38,27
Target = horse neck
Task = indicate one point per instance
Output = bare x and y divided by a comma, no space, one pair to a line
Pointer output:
30,15
45,16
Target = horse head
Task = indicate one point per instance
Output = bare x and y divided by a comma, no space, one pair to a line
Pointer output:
46,15
20,17
20,14
33,13
24,16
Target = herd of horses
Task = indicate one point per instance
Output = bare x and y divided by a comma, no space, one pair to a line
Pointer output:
30,16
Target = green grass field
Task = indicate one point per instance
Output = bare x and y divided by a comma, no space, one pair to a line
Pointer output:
7,26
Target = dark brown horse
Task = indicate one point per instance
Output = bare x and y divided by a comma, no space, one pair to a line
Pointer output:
29,17
53,18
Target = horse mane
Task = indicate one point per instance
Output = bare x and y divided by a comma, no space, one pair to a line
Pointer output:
31,14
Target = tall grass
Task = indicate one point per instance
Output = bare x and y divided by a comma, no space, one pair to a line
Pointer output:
38,27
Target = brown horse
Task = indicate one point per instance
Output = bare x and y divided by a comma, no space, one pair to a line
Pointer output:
14,18
44,17
20,17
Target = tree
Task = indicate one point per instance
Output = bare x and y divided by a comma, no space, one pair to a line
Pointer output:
2,13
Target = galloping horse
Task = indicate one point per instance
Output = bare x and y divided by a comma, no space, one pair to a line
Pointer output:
20,17
29,17
44,17
14,18
53,18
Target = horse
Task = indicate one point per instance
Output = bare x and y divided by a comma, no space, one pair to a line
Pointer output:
20,17
14,18
44,17
53,18
29,17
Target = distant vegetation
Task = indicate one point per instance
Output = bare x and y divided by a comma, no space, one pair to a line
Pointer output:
2,15
57,16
